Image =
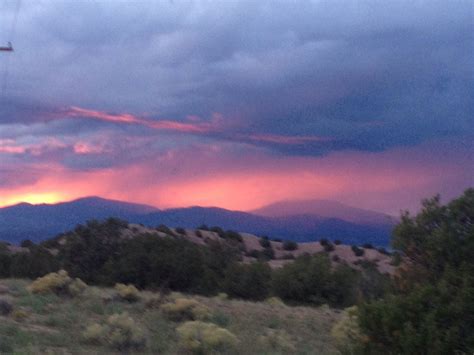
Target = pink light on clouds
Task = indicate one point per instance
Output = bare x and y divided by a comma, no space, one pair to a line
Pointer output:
194,126
290,140
215,176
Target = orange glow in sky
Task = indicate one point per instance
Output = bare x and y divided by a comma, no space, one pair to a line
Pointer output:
384,181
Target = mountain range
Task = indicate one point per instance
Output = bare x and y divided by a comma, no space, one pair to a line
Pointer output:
293,220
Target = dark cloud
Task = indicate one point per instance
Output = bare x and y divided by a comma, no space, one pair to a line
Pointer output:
369,75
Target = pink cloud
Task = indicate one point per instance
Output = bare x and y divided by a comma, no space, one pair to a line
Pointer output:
194,126
290,140
167,125
217,176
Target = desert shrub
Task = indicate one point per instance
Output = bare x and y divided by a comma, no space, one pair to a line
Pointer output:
234,236
329,247
20,315
277,341
203,227
346,331
181,230
323,241
383,251
165,229
95,333
275,301
219,231
288,256
396,259
127,293
250,281
221,319
253,253
267,254
357,251
265,242
27,243
337,242
262,255
59,283
6,307
154,301
205,338
222,296
336,258
278,240
76,287
119,332
185,309
367,246
199,234
290,245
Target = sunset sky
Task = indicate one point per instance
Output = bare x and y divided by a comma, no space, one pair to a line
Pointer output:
237,104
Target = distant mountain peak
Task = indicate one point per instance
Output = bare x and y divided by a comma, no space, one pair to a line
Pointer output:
323,208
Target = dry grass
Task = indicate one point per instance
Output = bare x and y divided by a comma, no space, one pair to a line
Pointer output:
53,324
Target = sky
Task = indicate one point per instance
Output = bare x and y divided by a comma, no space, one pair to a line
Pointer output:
237,104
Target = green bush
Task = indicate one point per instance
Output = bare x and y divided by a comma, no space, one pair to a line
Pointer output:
290,245
203,227
185,309
265,242
357,251
205,338
181,230
431,309
312,280
165,229
233,236
329,247
252,281
119,332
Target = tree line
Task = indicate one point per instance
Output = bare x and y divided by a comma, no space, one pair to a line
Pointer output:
99,254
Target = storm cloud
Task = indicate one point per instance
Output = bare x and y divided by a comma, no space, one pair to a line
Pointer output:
98,85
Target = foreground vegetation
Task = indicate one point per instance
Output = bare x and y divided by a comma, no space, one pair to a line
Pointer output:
105,320
102,253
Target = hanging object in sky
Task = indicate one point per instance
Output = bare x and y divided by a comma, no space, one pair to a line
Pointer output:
8,48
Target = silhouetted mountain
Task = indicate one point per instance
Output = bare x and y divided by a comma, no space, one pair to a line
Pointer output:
38,222
323,208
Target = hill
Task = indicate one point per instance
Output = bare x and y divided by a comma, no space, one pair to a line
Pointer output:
48,323
39,222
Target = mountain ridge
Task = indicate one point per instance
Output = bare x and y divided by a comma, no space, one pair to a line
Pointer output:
38,222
